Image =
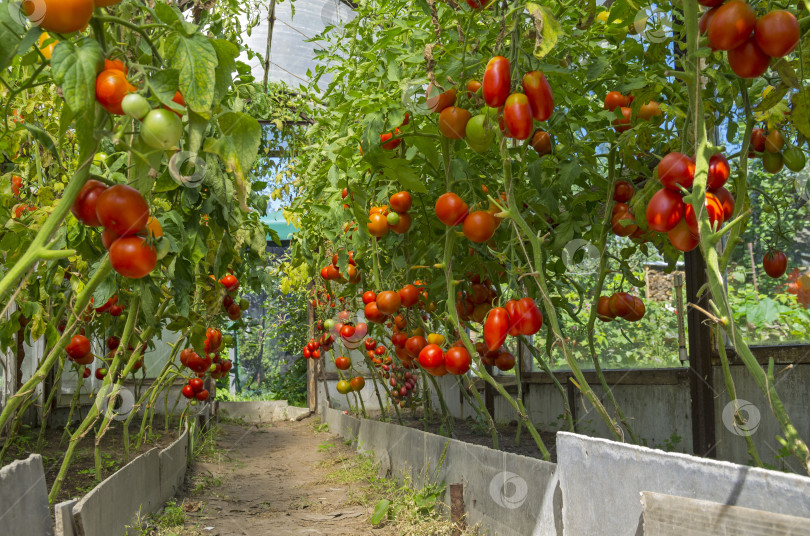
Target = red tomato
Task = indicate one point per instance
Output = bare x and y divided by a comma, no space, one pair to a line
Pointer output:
450,209
431,356
342,363
748,60
373,313
621,304
496,328
777,33
409,295
637,311
623,124
453,122
505,361
623,223
710,3
457,360
530,319
541,142
774,263
676,169
649,110
414,345
603,311
111,88
399,339
681,237
614,100
187,391
731,25
517,116
479,226
497,82
78,347
758,139
714,208
230,282
472,87
202,395
706,19
388,302
726,199
390,145
665,210
538,91
623,192
441,101
84,207
123,209
719,171
132,257
196,384
400,202
369,296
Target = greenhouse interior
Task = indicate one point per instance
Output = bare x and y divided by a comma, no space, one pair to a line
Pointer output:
442,268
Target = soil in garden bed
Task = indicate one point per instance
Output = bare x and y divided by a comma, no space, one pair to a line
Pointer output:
81,475
469,431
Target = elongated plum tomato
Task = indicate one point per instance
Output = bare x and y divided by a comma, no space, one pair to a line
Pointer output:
758,139
59,16
772,162
774,263
665,210
497,82
774,141
748,60
794,159
123,209
496,328
450,209
457,360
132,257
529,319
479,226
714,210
541,142
603,311
517,116
726,200
439,102
731,25
84,207
135,106
400,202
161,129
676,169
538,91
111,88
453,122
681,237
719,171
777,33
706,19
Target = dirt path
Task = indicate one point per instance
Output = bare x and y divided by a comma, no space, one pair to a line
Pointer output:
274,480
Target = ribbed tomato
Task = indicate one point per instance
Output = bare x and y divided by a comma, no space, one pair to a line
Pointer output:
665,210
450,209
731,25
538,91
497,82
517,116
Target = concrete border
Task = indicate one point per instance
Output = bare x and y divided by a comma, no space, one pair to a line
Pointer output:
505,494
24,498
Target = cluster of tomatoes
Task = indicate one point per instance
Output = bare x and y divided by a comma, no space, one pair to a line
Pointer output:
495,358
23,209
397,219
478,226
194,389
111,306
475,300
129,230
771,148
402,381
232,307
515,318
161,128
312,349
620,305
667,212
623,221
210,361
614,100
437,362
378,307
331,272
356,384
751,42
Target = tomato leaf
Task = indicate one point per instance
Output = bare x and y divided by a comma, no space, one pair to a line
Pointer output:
238,147
399,170
227,53
380,511
44,139
164,84
75,69
196,60
548,29
182,274
801,111
10,30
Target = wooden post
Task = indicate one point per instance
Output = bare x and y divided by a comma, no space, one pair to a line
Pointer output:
271,20
701,385
457,513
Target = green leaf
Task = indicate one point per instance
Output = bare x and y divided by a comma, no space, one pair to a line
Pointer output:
10,30
238,147
75,69
164,84
548,29
380,511
45,139
182,275
801,111
105,290
196,60
399,170
227,53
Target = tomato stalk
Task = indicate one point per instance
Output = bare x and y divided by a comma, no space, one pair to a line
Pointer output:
765,381
568,414
551,313
38,250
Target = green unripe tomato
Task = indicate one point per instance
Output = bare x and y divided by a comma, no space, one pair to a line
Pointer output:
227,339
794,159
480,133
162,248
100,158
328,324
212,368
244,304
393,218
772,162
135,106
161,129
344,387
192,402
